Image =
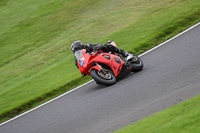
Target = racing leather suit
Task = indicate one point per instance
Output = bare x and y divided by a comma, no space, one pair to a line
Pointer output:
106,48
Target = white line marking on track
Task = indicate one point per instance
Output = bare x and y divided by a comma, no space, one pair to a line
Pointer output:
93,80
169,39
45,103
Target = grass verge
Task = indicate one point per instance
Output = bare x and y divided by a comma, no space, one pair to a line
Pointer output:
171,30
182,118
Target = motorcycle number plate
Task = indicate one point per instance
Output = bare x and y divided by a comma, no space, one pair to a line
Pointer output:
82,63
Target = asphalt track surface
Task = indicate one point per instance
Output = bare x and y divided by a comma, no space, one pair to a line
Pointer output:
171,75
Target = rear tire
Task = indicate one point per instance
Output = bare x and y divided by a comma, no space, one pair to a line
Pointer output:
136,65
108,79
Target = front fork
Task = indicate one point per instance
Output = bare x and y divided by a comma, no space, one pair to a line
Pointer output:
103,71
98,67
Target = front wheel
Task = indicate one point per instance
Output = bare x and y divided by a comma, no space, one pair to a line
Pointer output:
106,79
136,63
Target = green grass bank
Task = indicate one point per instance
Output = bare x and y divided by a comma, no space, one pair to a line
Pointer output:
36,63
182,118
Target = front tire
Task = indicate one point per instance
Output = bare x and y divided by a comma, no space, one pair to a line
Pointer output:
105,79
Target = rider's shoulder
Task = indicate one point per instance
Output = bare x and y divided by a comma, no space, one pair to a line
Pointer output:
92,44
88,44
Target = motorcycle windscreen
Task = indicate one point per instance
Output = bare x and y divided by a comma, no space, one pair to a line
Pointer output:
78,54
82,59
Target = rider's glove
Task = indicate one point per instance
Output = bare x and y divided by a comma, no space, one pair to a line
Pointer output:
83,74
96,48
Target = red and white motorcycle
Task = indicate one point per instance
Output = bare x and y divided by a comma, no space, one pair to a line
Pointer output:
106,68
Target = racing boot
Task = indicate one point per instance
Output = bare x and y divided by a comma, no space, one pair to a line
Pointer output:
124,56
128,56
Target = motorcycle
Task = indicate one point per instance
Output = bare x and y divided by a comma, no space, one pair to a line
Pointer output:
107,68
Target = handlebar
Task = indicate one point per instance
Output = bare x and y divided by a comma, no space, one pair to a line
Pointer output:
92,53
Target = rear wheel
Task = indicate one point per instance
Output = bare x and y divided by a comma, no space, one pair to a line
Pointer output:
136,63
106,78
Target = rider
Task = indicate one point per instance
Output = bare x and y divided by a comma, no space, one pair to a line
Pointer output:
78,45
